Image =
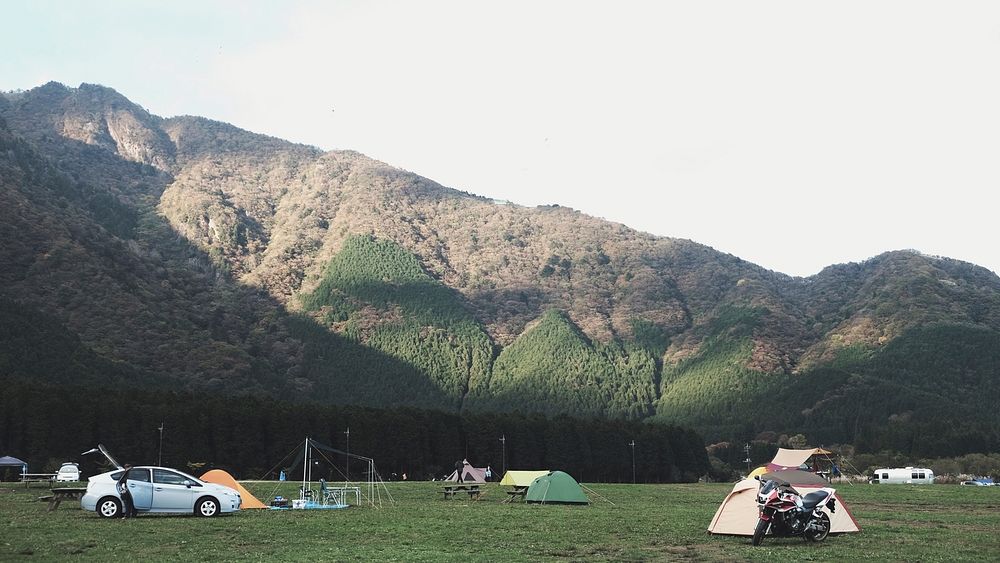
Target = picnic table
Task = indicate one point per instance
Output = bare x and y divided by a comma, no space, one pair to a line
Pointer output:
472,488
60,494
28,478
516,491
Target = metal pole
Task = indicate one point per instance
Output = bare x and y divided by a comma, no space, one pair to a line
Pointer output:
632,445
305,468
348,434
503,454
159,456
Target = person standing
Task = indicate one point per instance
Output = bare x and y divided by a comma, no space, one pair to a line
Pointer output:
128,504
459,469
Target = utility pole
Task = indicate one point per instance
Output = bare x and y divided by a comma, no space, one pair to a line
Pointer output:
159,456
746,449
348,434
632,445
503,454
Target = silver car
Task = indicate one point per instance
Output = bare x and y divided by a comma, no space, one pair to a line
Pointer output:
159,490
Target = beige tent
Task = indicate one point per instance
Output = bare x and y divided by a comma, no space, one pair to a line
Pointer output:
521,478
737,515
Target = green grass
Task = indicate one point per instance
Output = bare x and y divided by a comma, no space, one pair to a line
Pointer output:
646,522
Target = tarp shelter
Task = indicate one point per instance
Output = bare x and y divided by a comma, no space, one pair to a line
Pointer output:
792,459
469,474
737,515
521,478
221,477
556,487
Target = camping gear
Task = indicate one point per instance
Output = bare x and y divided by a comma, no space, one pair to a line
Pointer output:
556,487
738,514
784,512
221,477
308,456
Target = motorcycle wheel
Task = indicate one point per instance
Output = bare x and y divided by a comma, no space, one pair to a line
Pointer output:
759,531
819,535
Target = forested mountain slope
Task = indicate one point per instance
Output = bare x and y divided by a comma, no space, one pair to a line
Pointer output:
194,252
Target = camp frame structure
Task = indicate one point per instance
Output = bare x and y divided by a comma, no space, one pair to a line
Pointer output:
372,490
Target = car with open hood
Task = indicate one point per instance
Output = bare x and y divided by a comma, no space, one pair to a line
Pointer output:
158,490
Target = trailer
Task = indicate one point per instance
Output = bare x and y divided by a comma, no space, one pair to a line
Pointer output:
902,476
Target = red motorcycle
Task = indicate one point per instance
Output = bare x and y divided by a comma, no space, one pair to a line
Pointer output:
785,512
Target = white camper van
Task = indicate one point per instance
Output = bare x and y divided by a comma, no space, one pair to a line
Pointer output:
903,476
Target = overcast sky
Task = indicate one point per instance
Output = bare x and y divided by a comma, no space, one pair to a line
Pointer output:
792,134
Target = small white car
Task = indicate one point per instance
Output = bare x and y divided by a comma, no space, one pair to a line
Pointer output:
159,490
69,471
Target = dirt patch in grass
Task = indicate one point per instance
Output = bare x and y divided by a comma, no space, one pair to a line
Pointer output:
697,552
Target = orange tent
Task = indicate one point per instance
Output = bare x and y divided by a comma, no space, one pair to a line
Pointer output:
220,477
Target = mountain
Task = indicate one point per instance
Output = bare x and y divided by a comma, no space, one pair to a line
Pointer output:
190,253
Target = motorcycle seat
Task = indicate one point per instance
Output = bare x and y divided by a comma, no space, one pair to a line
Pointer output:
810,501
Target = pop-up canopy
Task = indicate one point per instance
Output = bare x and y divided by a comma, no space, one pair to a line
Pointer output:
8,461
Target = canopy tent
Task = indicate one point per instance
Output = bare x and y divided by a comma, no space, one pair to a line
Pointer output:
555,487
793,459
221,477
521,478
759,471
8,461
737,515
469,474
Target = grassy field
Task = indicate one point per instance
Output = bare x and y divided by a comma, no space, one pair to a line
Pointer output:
646,522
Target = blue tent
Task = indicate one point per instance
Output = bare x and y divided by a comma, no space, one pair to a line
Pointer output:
7,461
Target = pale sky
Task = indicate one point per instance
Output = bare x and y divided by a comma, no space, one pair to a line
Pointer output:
792,134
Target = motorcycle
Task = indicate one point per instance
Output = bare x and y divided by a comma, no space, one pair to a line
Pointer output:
785,512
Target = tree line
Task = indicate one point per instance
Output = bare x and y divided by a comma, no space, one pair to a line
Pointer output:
252,436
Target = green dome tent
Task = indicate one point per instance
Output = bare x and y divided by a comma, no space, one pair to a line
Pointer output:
556,488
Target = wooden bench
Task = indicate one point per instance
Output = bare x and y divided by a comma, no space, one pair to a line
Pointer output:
451,490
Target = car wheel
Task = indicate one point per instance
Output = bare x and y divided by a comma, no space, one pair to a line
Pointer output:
206,507
109,507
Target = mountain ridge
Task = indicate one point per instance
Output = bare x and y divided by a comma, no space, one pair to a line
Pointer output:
258,220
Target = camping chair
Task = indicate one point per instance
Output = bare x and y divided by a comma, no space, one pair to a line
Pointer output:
328,495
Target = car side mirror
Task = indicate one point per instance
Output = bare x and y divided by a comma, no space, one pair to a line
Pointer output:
188,483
